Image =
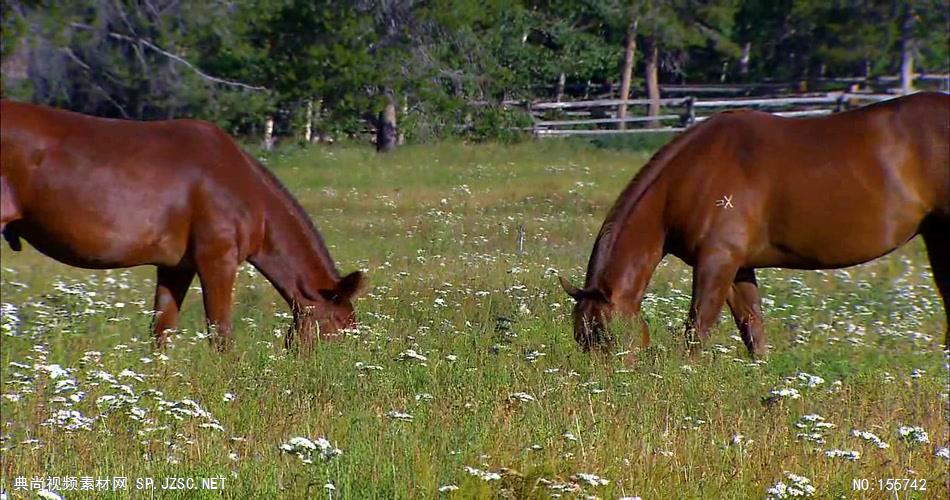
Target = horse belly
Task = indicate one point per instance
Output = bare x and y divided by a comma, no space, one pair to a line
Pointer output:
98,237
836,240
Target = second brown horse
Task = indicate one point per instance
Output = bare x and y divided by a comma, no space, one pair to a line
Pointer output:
746,190
180,195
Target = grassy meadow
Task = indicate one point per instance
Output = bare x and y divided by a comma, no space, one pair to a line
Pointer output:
464,380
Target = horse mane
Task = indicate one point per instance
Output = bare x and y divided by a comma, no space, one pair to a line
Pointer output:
629,198
297,211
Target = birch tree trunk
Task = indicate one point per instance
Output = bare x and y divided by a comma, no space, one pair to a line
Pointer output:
308,122
745,58
559,89
401,136
626,73
269,133
907,50
653,79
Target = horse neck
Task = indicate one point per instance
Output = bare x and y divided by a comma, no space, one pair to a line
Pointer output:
629,247
293,256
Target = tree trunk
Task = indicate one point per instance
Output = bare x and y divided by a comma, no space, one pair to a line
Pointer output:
401,136
318,133
308,122
907,50
386,137
745,58
269,133
653,80
626,73
559,89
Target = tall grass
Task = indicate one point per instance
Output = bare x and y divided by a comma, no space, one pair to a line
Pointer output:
503,403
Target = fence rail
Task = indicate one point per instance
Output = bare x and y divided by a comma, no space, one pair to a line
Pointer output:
554,119
610,89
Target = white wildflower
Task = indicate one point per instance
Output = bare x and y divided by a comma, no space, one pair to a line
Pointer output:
411,354
868,436
848,454
533,356
809,380
521,396
55,371
788,392
591,479
799,486
69,420
48,495
304,448
913,434
398,415
484,475
131,374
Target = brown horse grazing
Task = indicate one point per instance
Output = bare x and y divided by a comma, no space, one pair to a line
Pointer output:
747,189
180,195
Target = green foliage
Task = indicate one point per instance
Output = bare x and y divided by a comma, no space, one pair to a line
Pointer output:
504,124
235,62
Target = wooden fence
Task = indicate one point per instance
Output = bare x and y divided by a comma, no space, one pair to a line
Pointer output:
611,89
553,119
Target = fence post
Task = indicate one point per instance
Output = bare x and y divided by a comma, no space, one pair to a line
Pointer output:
559,89
690,116
534,121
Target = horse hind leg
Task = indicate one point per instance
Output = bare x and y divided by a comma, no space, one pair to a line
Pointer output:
170,289
936,235
746,307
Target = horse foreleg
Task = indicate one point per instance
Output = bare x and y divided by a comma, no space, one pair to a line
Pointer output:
9,207
712,278
937,238
217,272
746,307
304,323
172,285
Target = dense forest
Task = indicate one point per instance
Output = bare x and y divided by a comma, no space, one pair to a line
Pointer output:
323,68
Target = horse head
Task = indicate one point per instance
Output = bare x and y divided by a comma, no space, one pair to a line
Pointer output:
332,309
592,311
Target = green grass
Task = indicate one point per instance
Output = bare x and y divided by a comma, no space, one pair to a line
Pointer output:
436,229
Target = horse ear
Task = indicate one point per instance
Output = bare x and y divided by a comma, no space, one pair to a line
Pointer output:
571,290
350,285
596,294
578,294
345,289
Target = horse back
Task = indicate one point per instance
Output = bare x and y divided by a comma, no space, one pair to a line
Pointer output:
99,192
810,192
